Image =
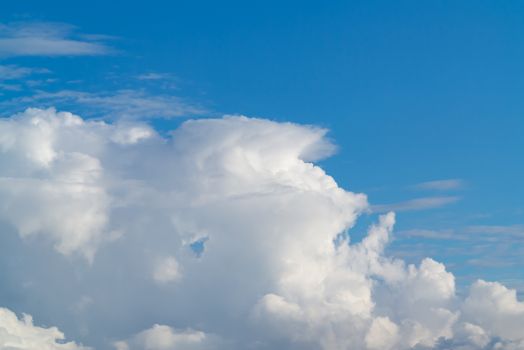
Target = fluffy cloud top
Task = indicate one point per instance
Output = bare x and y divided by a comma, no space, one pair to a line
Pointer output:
48,185
275,269
21,334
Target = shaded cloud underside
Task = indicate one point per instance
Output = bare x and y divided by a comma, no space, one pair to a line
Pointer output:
270,276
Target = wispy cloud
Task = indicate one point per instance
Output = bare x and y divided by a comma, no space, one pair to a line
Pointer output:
510,230
153,76
440,185
10,72
133,104
477,232
491,262
10,87
48,39
14,72
486,246
416,204
431,234
11,76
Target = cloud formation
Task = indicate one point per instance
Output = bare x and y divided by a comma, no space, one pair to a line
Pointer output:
14,72
10,76
275,268
22,334
47,39
121,104
161,337
416,204
440,185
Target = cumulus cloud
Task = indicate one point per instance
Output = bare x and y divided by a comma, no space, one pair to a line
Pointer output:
166,270
496,309
47,184
275,267
22,334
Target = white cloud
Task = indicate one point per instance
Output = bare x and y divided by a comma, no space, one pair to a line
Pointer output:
416,204
128,134
440,185
12,76
9,72
496,309
128,104
161,337
46,39
152,76
496,230
166,270
10,87
47,184
432,234
478,232
382,334
277,271
14,72
22,334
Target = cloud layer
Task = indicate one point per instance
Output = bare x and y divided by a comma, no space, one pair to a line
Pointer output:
225,235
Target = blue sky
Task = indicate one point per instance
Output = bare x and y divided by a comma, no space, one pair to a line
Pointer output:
422,98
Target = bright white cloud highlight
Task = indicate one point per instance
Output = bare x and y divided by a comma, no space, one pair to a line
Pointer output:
22,334
166,270
47,184
161,337
278,269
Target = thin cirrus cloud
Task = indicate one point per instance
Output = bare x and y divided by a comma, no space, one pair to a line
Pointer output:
10,87
14,77
48,39
120,104
431,234
510,230
440,185
416,204
493,246
14,72
153,76
132,202
477,232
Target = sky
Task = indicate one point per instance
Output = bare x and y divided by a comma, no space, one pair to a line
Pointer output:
261,175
